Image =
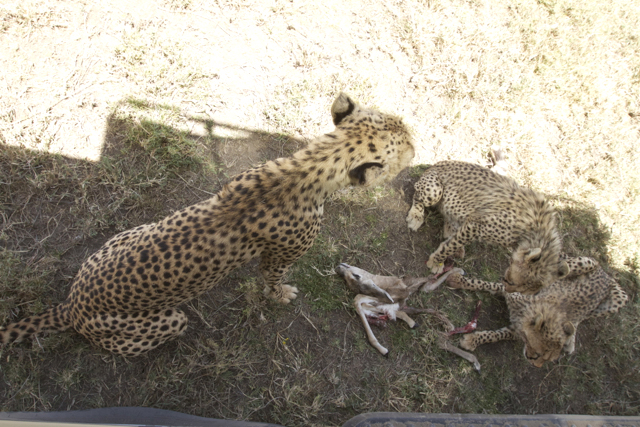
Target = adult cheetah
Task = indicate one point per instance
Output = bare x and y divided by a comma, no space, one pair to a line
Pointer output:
125,295
479,204
547,321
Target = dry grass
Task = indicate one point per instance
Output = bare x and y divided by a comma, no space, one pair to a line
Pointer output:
113,115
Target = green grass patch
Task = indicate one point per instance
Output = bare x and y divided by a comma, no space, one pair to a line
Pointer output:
24,280
415,172
166,136
314,275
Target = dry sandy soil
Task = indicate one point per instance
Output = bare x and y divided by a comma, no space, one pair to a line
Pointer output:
115,113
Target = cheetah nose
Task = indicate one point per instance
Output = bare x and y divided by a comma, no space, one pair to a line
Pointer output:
538,363
508,286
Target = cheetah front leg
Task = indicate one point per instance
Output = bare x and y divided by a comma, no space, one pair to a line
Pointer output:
615,301
458,281
579,265
428,193
453,245
273,271
471,341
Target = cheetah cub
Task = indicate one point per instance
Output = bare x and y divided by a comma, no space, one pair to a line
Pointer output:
547,321
125,296
479,204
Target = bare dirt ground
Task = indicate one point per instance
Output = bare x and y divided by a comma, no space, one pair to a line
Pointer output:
114,114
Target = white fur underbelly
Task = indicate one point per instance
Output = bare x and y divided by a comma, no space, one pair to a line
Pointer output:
372,307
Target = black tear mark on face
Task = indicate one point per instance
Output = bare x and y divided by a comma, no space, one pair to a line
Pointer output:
338,117
359,174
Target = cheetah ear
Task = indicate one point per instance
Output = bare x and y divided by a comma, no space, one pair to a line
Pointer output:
569,329
533,255
563,270
538,322
365,173
341,108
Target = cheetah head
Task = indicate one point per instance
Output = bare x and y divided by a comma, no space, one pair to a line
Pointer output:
532,269
545,335
378,145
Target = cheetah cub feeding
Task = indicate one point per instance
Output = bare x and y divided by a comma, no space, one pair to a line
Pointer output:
547,321
479,204
125,295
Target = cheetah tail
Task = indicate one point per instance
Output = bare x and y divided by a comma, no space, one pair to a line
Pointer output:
52,320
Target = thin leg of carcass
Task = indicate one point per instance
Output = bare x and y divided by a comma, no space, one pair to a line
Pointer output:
370,307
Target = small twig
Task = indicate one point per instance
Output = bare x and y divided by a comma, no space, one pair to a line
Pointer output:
38,341
309,320
196,188
232,301
200,316
326,273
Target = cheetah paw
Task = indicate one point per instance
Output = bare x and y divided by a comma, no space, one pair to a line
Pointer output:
455,281
436,267
414,220
283,293
468,342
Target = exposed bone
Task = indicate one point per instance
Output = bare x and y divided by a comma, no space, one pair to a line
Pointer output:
371,306
445,344
469,327
443,337
380,296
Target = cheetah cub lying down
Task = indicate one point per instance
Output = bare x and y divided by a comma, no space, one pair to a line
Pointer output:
479,204
547,321
125,295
